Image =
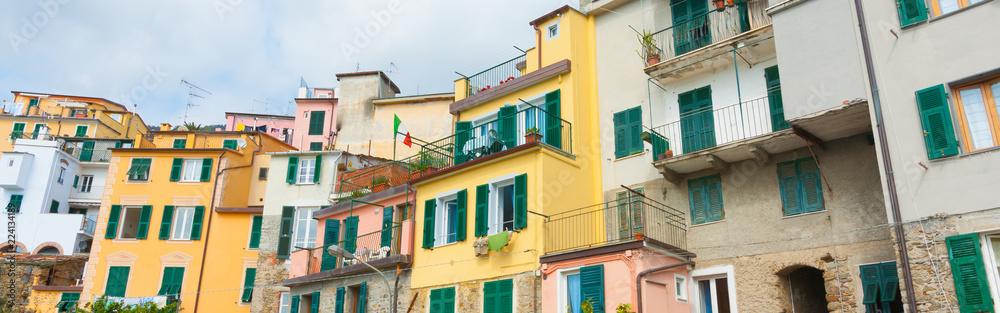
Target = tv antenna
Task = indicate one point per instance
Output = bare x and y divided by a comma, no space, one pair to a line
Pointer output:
392,66
193,92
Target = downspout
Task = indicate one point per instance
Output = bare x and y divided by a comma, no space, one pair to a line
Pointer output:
538,36
890,179
638,280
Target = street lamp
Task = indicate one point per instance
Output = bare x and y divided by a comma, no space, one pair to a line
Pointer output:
339,252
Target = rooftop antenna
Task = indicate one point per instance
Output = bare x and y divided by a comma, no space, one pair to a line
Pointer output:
193,92
392,65
254,105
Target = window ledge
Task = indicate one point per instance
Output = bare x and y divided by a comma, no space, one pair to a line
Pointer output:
192,182
631,156
709,223
965,154
804,214
445,245
124,240
180,241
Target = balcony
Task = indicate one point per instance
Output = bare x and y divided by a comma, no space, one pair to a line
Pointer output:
384,248
91,150
87,226
632,219
496,75
705,127
373,179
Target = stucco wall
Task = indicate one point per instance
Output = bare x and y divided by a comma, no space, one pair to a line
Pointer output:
300,136
469,298
425,120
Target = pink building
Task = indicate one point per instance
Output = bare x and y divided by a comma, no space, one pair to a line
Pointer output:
340,118
278,126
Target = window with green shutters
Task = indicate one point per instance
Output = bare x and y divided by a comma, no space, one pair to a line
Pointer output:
139,169
553,120
229,144
482,210
442,300
144,216
117,281
81,130
935,118
520,201
387,224
801,186
314,302
33,102
250,274
113,218
351,233
338,306
315,146
331,235
697,119
776,105
295,304
461,215
462,136
690,25
255,224
165,221
880,285
498,296
67,301
592,286
17,131
429,211
969,272
285,232
175,169
173,277
507,116
87,152
911,12
199,214
628,130
362,304
206,170
54,207
292,174
180,143
705,199
15,203
316,121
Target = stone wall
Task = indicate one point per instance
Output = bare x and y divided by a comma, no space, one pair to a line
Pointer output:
469,296
379,296
271,271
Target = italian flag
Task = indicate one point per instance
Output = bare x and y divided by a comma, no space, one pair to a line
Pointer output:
401,133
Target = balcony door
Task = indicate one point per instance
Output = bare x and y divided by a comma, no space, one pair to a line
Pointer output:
629,214
697,120
691,27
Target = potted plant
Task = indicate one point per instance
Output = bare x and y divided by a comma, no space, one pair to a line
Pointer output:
624,308
639,236
720,4
586,307
650,53
380,183
532,135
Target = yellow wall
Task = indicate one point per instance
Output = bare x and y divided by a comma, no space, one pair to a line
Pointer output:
426,120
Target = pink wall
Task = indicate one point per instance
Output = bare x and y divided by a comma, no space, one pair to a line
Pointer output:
301,137
620,271
271,123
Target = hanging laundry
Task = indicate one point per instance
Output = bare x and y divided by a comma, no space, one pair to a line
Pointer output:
498,241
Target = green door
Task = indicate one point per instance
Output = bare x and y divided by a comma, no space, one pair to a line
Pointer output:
774,99
697,120
629,214
691,28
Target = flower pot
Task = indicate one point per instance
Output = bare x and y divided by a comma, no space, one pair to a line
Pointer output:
669,153
532,137
652,60
720,5
639,236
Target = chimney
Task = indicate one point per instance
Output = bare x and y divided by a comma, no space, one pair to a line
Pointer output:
166,127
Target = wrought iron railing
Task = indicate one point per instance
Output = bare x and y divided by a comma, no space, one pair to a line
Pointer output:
485,138
92,150
40,135
365,181
711,27
496,75
707,127
628,219
368,247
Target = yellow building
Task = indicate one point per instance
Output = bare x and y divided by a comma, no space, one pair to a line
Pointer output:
493,182
34,115
181,217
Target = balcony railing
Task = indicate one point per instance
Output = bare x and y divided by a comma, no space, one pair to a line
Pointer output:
87,150
372,179
707,127
488,137
628,219
87,226
368,247
707,28
496,75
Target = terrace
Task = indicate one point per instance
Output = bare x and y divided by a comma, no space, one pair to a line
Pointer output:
90,149
388,247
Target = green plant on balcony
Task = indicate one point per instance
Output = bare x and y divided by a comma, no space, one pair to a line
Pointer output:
532,135
624,308
380,183
650,53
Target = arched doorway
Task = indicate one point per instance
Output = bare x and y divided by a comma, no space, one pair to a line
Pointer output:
806,289
50,250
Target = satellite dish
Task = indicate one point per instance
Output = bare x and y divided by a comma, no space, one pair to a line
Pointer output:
242,143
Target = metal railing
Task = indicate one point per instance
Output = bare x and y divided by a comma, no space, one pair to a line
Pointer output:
711,27
705,128
629,219
87,226
365,181
496,75
91,150
41,135
368,247
495,135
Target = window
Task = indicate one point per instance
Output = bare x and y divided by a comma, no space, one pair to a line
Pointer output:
86,183
968,270
629,213
498,296
628,128
40,129
54,208
697,119
17,131
81,130
33,102
502,207
801,186
173,279
67,301
262,175
691,25
316,122
182,223
680,288
360,293
117,281
315,146
713,295
305,228
977,107
284,304
255,224
130,222
15,203
774,99
705,198
552,31
139,170
592,285
307,168
570,296
62,175
942,7
191,171
447,216
180,143
229,144
249,275
442,300
880,283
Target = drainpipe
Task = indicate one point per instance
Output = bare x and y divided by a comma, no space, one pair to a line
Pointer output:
638,280
890,179
538,36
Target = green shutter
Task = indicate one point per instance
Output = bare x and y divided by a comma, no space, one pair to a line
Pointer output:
318,168
199,212
890,281
248,282
634,131
362,298
351,233
788,182
713,187
935,118
697,119
429,223
490,297
293,163
508,126
592,286
482,209
387,226
811,186
180,143
521,201
774,100
498,296
553,120
331,235
168,218
76,181
911,11
229,144
54,207
117,281
442,300
255,226
67,301
315,146
314,302
18,131
696,199
969,273
87,153
147,210
870,280
285,234
173,277
113,218
175,169
316,121
206,169
81,131
462,130
295,304
339,306
621,137
15,200
460,215
32,102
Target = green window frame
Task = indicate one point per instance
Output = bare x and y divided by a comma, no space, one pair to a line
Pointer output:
32,102
801,186
139,169
911,12
229,144
628,132
180,143
880,286
255,230
249,275
67,301
705,199
442,300
173,279
498,296
967,267
630,208
697,119
117,281
315,146
316,121
15,203
82,130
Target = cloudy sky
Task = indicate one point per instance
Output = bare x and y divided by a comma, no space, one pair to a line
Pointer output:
247,52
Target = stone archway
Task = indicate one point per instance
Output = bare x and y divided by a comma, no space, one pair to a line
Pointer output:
805,288
47,247
18,247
